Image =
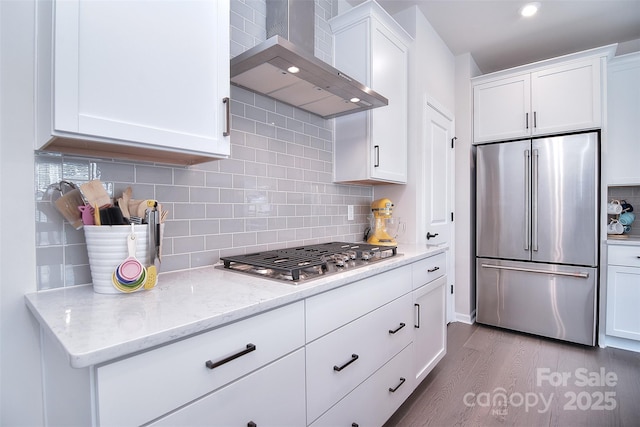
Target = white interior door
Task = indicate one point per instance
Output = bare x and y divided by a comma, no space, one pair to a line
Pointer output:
439,186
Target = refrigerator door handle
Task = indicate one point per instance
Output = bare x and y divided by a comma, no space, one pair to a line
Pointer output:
527,200
534,201
532,270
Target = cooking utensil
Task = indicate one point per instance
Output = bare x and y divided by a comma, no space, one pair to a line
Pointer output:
152,277
131,269
95,194
123,202
68,201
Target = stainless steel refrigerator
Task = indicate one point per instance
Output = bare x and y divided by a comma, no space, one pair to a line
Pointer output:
537,236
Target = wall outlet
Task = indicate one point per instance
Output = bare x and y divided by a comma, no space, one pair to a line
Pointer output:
350,213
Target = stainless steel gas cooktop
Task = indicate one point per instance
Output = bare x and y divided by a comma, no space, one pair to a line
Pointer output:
303,263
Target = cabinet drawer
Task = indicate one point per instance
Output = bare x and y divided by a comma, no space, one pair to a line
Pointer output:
271,396
372,403
429,269
624,255
339,361
330,310
138,389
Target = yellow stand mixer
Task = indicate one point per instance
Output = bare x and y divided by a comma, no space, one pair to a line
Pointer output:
382,210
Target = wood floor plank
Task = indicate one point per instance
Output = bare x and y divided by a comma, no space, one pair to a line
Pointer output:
489,373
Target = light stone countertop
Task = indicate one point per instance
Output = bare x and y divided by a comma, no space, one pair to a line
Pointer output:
93,328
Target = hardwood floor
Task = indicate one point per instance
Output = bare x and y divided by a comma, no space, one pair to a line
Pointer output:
494,377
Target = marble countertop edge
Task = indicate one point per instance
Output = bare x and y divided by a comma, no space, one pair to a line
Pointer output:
94,328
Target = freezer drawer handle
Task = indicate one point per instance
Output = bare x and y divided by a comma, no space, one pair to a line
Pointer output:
212,365
337,368
531,270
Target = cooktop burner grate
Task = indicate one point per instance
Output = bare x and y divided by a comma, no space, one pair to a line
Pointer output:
292,261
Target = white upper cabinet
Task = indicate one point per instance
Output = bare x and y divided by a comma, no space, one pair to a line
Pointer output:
623,97
145,80
501,108
566,97
369,46
559,95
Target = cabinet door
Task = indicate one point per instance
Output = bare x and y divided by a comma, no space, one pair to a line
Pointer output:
371,47
389,124
623,295
430,338
623,132
144,72
566,98
501,109
272,396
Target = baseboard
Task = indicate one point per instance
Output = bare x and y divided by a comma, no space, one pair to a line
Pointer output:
622,343
469,319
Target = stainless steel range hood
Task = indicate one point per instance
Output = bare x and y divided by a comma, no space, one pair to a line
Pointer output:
317,87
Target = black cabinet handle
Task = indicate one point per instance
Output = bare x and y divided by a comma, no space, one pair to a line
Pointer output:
526,119
393,390
431,270
535,119
252,424
402,325
211,365
354,425
429,235
227,102
417,325
354,357
377,154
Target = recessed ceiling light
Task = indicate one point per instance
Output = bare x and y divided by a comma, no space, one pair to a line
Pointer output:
354,100
529,9
293,69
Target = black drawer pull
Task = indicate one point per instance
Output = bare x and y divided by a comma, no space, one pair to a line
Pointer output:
252,424
354,357
431,270
417,324
402,325
393,390
354,425
212,365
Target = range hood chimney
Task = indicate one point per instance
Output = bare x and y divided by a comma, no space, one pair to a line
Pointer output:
311,85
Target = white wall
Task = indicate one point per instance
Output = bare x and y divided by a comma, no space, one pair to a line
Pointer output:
21,379
431,73
465,295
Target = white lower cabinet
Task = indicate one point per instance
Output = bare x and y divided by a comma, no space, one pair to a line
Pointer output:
141,388
623,292
349,356
430,339
375,400
272,396
338,362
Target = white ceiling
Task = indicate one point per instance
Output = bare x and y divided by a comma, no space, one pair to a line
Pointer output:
498,38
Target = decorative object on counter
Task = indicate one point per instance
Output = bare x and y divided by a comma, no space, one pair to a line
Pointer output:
124,249
383,224
107,248
622,217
